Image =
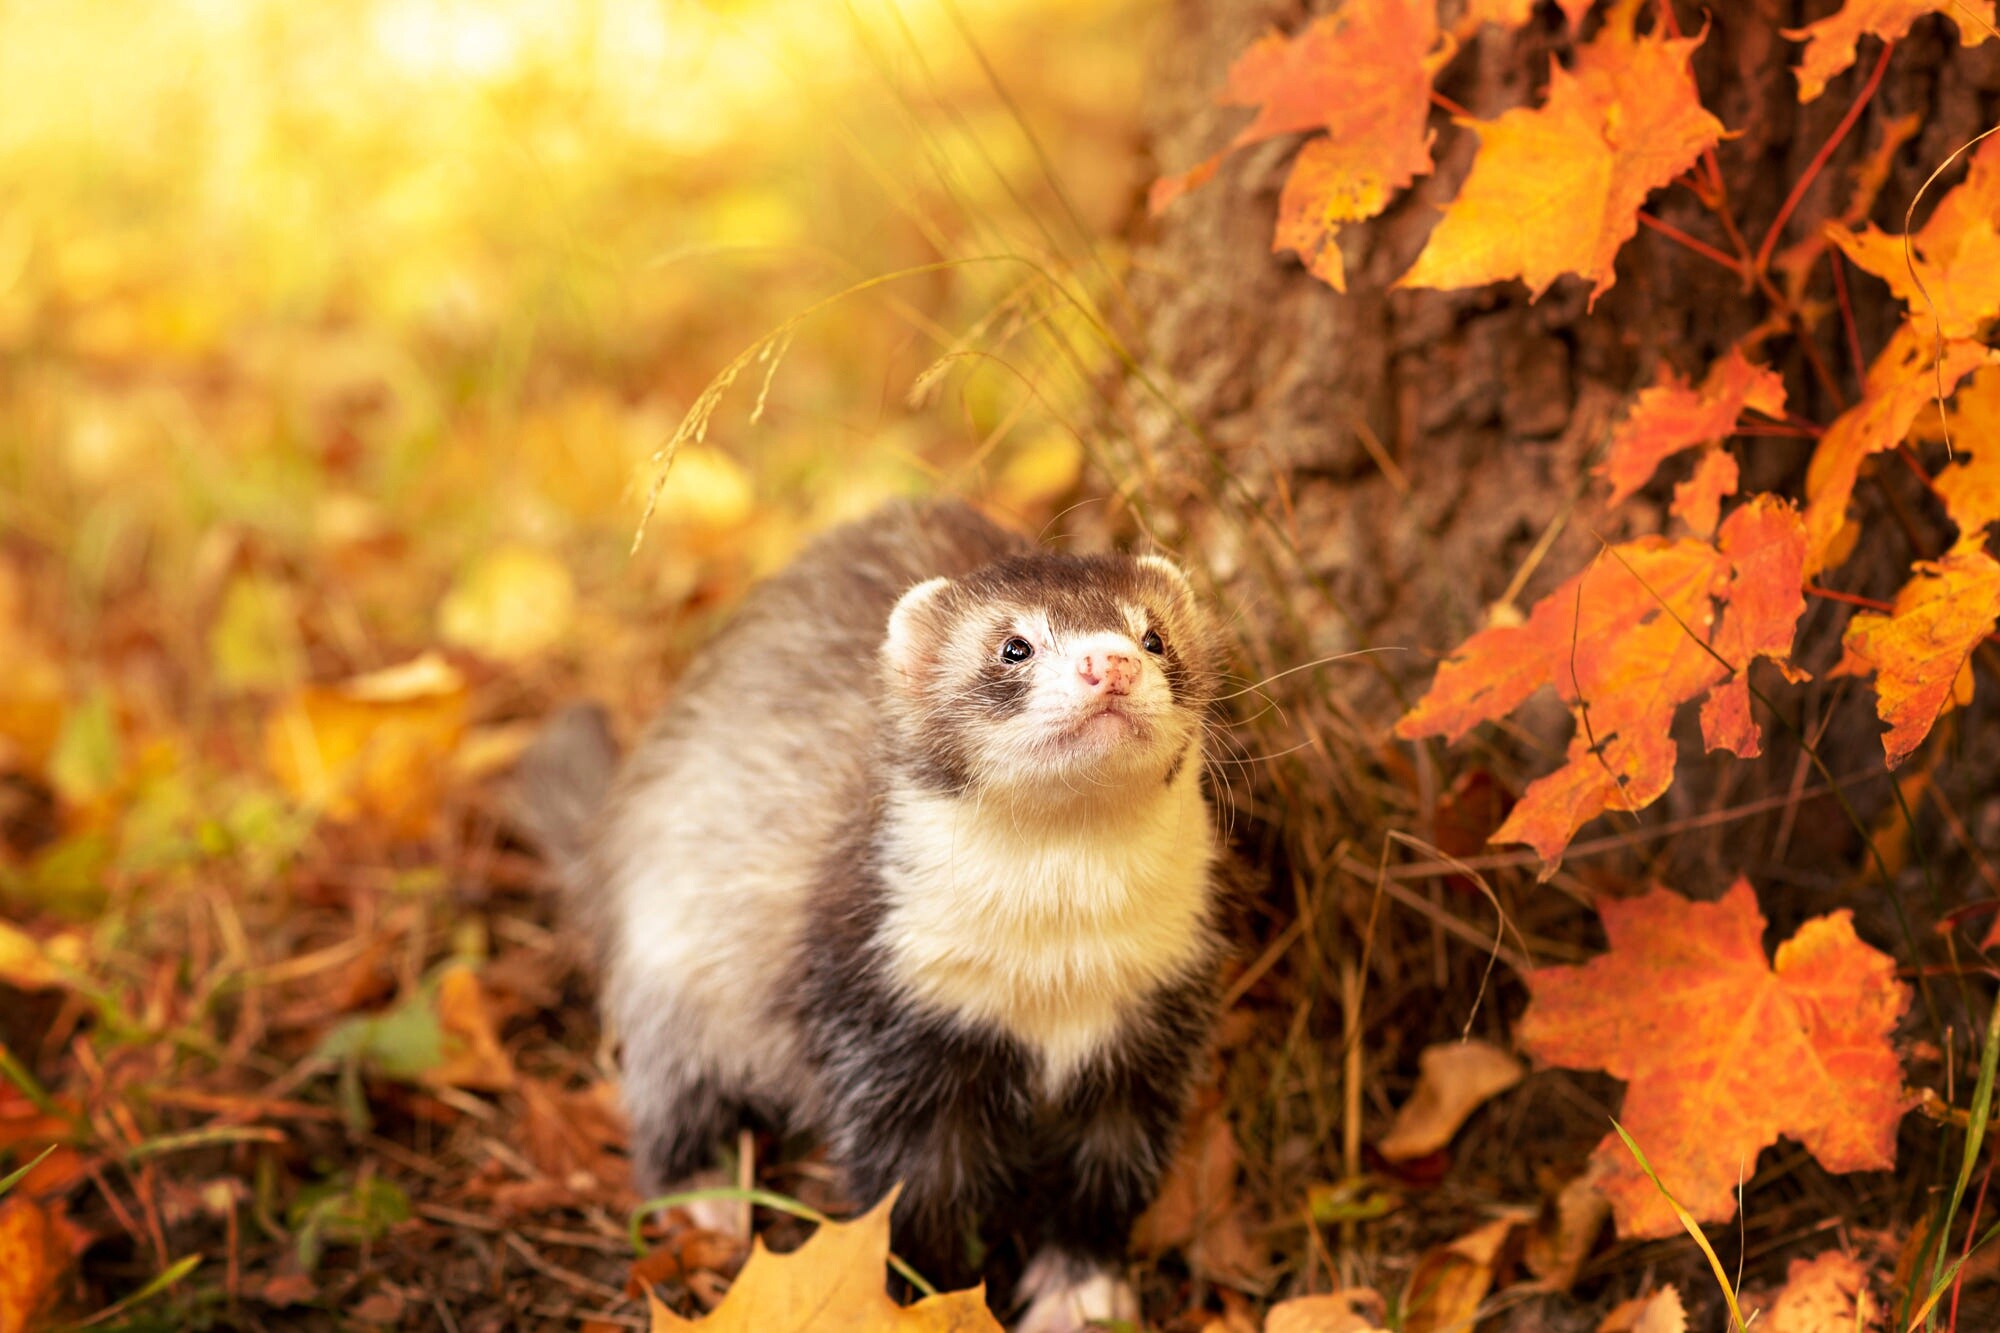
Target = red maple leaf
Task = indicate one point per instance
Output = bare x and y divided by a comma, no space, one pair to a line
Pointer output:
1722,1050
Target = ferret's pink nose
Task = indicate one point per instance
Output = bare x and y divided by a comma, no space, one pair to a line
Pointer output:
1107,672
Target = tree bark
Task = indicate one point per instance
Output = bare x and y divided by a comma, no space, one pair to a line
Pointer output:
1376,468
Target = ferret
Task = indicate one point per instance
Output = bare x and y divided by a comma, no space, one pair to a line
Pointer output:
919,859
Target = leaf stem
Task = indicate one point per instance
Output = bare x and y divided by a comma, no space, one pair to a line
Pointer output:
1702,248
1819,159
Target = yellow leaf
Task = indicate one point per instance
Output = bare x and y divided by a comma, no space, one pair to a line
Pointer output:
1340,1312
1556,189
834,1283
705,491
377,746
33,1258
512,604
254,643
28,964
1040,472
476,1059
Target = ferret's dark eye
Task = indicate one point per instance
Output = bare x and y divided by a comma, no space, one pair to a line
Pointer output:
1016,649
1152,643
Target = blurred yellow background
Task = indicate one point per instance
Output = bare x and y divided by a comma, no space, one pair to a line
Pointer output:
334,334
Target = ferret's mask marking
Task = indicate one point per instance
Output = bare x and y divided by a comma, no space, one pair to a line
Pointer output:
1104,700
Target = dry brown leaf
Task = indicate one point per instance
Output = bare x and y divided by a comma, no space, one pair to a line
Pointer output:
1197,1209
834,1283
1450,1280
576,1139
1454,1079
1825,1294
1566,1234
1658,1312
1356,1310
690,1250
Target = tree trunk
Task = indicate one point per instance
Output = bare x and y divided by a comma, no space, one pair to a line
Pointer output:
1376,469
1397,461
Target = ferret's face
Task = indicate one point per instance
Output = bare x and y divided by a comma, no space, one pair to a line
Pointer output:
1051,676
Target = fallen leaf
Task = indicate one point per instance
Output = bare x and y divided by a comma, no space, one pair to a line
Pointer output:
1919,650
1955,289
1673,415
1659,1312
1356,1310
1197,1210
577,1138
34,1256
1825,1294
1449,1281
1830,42
376,746
29,964
474,1057
1566,1233
834,1283
1625,643
1901,382
254,643
1723,1051
706,494
691,1250
512,604
1556,189
1454,1079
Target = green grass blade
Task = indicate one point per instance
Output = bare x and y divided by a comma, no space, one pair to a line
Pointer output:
1693,1229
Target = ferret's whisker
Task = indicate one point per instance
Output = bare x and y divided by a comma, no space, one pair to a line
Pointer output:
1305,666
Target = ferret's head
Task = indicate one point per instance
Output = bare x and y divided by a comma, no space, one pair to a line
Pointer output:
1050,676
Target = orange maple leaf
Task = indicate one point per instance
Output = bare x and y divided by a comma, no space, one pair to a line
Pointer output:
1955,289
1363,74
1721,1050
1970,487
1918,650
1698,500
1625,644
1901,383
1830,42
1672,416
1556,189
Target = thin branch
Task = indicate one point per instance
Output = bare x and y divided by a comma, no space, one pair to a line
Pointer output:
1819,159
1702,248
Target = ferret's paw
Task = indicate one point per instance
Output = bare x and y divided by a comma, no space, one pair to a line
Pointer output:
1064,1298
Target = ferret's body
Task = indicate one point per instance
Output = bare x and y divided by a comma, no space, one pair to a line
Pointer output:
919,859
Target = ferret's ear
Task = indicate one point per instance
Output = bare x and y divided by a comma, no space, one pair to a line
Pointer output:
1173,572
904,647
